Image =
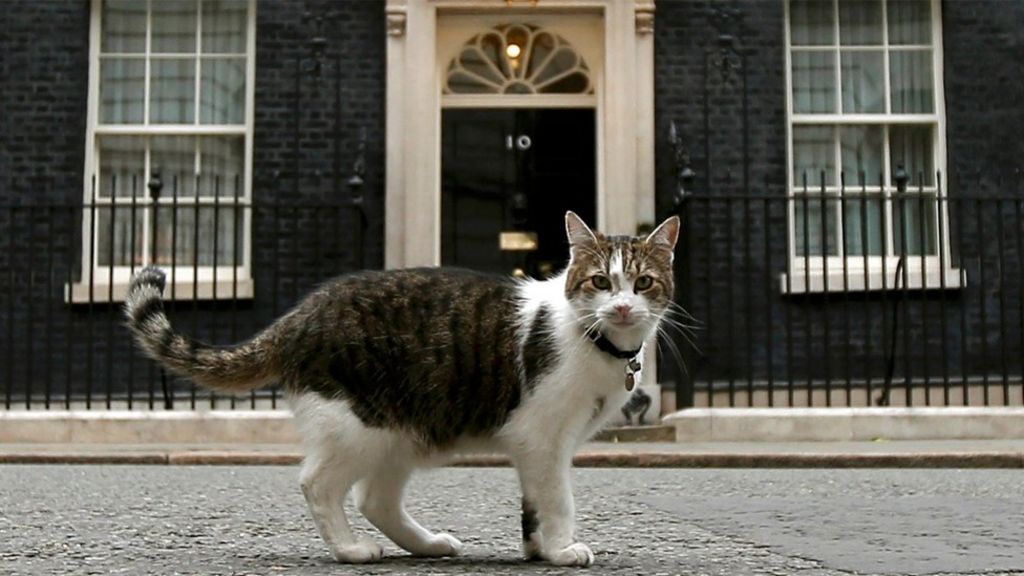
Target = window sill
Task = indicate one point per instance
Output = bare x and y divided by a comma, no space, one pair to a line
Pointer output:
813,281
103,293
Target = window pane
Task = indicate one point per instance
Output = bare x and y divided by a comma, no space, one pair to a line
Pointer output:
814,82
913,218
222,166
117,235
214,234
222,99
911,147
175,235
492,47
811,22
179,235
174,26
462,83
575,83
121,159
224,26
813,153
910,21
860,22
124,26
122,90
564,59
172,91
543,44
862,155
810,231
862,225
229,224
175,157
911,81
863,82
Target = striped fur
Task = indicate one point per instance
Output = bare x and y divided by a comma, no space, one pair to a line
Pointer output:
388,371
228,368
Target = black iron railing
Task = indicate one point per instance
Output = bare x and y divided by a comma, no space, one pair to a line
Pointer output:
843,297
233,266
851,297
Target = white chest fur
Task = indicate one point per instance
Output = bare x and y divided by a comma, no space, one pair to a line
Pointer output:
580,392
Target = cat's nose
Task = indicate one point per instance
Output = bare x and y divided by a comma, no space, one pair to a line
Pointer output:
623,310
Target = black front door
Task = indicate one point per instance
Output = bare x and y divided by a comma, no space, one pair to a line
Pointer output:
514,171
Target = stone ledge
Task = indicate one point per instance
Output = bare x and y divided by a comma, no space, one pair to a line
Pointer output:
693,425
136,427
845,424
636,434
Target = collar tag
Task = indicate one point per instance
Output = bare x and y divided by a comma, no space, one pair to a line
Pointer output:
630,356
632,367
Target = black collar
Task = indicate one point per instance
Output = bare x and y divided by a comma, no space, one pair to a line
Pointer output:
606,346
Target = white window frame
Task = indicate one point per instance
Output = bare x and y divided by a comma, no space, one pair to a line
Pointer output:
837,273
109,283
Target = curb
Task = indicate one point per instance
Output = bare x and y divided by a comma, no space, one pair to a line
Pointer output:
583,460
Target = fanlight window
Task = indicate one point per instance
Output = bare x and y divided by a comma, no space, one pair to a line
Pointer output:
518,59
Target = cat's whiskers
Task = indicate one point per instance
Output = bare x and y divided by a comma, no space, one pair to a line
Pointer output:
678,309
684,330
673,348
681,319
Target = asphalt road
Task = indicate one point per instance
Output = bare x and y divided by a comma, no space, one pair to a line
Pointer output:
252,520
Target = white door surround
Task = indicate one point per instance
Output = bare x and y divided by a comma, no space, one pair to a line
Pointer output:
615,37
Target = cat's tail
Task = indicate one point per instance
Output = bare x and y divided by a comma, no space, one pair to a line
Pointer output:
230,368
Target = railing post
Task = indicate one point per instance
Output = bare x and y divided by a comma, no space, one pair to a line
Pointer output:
156,186
356,200
684,176
900,178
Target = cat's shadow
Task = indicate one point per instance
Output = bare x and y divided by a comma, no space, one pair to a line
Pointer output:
410,562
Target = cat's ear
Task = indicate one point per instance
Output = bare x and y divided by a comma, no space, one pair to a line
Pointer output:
666,234
577,231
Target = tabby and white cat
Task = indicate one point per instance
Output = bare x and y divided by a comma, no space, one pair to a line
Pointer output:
388,371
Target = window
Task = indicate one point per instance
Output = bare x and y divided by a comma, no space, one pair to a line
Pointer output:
518,59
865,106
171,99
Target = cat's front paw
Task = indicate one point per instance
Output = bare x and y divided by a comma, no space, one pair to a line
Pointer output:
361,552
577,554
442,545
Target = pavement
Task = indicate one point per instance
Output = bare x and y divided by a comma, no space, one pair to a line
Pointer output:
875,454
241,520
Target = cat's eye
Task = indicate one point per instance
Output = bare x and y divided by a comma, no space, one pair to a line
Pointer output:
643,283
601,282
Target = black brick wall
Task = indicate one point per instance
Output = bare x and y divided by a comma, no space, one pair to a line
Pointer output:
984,75
306,141
44,68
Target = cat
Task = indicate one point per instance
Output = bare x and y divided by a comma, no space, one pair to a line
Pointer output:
639,403
390,371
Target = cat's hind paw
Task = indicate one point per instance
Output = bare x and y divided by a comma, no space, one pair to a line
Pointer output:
577,554
362,552
442,545
531,549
